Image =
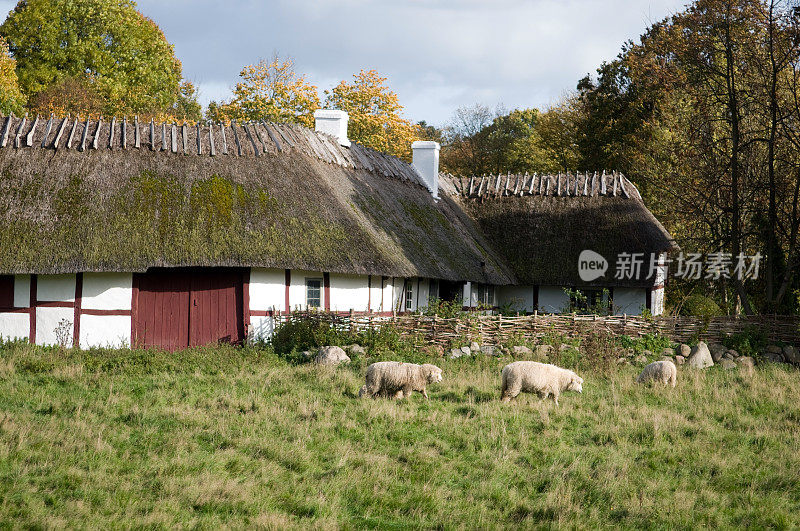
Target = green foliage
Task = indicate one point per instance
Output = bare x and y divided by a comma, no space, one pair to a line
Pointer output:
122,54
701,306
445,309
749,342
655,343
580,302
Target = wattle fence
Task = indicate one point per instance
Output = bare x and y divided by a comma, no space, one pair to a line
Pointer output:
495,329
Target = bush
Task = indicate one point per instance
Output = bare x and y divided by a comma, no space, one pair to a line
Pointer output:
655,343
749,342
700,306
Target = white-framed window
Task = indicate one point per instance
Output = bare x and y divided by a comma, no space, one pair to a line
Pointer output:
408,289
485,294
314,292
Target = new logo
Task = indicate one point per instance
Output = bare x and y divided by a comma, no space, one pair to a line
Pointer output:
591,265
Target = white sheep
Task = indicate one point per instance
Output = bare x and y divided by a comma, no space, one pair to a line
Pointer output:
662,371
540,378
398,379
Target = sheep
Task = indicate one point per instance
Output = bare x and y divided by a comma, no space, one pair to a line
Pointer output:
662,371
541,378
399,379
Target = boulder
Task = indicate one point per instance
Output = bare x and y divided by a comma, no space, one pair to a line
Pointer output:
488,350
727,364
564,347
474,346
668,352
685,350
773,356
717,351
331,356
727,356
622,361
791,354
746,365
700,358
647,354
306,354
466,351
733,353
775,349
680,360
521,350
543,351
455,353
630,352
641,360
355,350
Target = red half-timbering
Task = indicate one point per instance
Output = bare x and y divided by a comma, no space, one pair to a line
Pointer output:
179,308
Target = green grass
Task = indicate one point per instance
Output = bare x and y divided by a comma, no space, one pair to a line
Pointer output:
241,438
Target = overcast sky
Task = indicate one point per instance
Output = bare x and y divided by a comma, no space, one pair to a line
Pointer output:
437,54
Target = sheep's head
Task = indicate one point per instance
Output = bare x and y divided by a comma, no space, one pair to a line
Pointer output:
434,373
576,384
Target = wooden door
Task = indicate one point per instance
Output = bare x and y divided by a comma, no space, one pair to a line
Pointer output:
178,308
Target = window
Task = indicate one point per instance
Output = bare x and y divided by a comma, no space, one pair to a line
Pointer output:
485,295
6,291
588,301
314,292
409,291
433,293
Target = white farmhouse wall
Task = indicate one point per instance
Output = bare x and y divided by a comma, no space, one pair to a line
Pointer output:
552,299
48,320
396,293
297,289
15,325
261,327
55,288
629,301
349,292
519,298
268,289
22,291
111,331
376,294
107,291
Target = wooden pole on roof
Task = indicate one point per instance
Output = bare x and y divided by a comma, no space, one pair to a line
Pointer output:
137,137
174,137
29,137
184,138
497,185
533,180
96,138
111,133
164,145
124,132
508,178
18,136
224,140
471,183
211,140
72,133
199,139
47,130
614,192
6,130
60,132
85,135
603,183
594,181
152,135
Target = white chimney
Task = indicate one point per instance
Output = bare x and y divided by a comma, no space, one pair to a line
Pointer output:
332,122
426,161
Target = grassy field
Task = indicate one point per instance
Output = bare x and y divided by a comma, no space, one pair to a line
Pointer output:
242,438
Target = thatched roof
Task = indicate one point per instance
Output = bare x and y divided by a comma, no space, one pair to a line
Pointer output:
540,224
126,196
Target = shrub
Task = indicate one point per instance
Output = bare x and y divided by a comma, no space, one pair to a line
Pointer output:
749,342
700,306
655,343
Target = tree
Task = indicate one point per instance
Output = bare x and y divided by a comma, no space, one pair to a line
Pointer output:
271,91
11,99
375,114
107,44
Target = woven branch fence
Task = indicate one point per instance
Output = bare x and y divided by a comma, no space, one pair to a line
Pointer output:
495,329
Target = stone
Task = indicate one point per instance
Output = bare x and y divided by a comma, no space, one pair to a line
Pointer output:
521,350
474,346
733,353
775,349
746,365
306,354
791,355
331,356
630,352
641,360
773,356
685,350
668,352
727,364
700,358
488,350
466,351
717,351
355,350
622,361
564,347
647,354
680,360
728,356
455,353
435,351
543,351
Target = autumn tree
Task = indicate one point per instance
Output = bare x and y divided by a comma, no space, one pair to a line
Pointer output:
11,99
271,91
375,114
106,45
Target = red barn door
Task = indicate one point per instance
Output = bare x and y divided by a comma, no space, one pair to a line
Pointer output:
181,308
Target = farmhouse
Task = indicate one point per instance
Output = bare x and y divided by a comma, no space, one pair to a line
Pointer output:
127,233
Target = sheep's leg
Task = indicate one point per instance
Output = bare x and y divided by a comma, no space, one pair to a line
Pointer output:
407,390
425,393
555,397
399,394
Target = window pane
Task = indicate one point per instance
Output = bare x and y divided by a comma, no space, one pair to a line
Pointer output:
314,293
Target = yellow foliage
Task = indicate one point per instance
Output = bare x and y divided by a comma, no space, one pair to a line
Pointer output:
270,91
11,98
375,114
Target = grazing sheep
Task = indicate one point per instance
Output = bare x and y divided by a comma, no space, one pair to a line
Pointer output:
398,379
541,378
662,371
